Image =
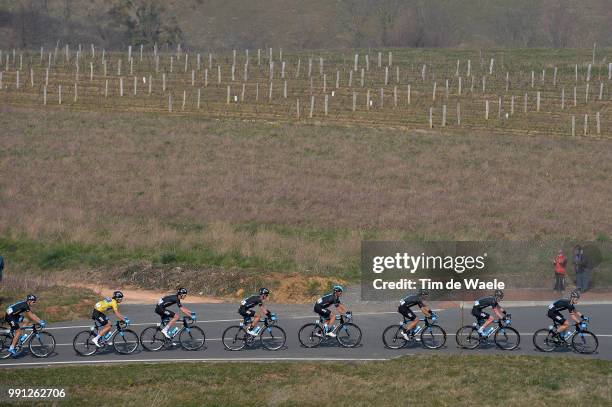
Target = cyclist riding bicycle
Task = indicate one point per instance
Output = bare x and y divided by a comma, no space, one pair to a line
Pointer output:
485,302
554,312
405,309
100,317
14,316
251,318
162,310
322,305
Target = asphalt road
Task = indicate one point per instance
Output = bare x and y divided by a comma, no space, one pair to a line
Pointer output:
372,319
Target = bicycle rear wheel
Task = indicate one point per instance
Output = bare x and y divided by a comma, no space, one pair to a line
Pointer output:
310,335
273,337
467,337
392,337
349,335
125,342
585,342
83,344
507,338
544,340
5,343
433,337
192,338
152,339
42,344
234,338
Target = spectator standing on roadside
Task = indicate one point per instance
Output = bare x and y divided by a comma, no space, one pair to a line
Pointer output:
581,266
560,263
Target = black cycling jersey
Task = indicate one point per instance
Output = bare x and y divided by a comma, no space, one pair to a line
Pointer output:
18,308
251,302
328,300
169,300
485,302
562,305
411,301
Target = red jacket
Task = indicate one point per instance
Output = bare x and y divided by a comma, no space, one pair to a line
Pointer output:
560,263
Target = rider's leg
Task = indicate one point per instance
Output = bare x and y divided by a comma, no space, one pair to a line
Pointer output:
104,330
486,323
255,320
102,321
16,334
331,317
173,318
562,327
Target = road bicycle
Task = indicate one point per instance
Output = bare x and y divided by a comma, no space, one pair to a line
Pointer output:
580,340
190,336
271,336
504,336
123,341
40,343
347,334
431,335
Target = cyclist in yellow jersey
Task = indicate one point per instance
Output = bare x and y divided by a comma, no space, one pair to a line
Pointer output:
99,315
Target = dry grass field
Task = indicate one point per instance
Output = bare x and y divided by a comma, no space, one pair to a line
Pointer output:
437,381
89,189
236,184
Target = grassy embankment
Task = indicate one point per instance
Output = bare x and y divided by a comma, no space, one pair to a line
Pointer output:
435,380
236,204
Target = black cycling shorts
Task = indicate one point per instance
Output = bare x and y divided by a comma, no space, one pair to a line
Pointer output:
99,317
13,321
323,312
406,312
247,314
479,314
164,313
556,316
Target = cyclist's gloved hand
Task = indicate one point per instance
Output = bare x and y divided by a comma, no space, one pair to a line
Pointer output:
273,317
193,316
42,323
127,321
349,314
268,314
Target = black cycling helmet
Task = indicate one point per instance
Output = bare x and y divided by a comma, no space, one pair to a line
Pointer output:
499,294
181,291
264,291
423,292
574,294
31,297
338,288
117,295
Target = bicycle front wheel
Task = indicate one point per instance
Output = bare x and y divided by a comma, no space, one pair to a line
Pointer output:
392,337
507,338
42,344
349,335
467,337
234,338
585,342
310,335
83,345
152,339
544,340
125,342
192,338
5,343
273,337
433,337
